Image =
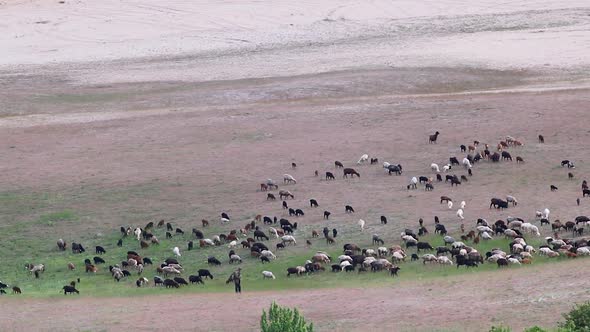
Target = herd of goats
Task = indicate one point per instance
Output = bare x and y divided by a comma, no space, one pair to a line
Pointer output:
456,251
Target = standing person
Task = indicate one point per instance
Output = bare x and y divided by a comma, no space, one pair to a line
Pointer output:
236,278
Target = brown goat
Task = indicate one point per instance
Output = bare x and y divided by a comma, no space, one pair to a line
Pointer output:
91,268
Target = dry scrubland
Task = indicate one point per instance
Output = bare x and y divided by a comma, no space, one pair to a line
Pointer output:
103,129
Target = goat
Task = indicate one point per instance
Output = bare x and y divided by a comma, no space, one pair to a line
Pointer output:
287,178
432,138
363,159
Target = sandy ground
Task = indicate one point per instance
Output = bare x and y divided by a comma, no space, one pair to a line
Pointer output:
213,40
133,111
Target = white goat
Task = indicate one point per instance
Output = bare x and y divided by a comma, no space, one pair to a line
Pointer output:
460,214
343,258
530,228
457,244
546,213
450,204
361,223
413,183
398,256
268,275
235,259
363,159
429,258
462,206
409,239
137,233
344,264
208,242
273,231
288,178
511,199
513,261
544,251
268,254
466,163
232,244
444,260
484,229
486,236
176,251
434,167
288,239
447,167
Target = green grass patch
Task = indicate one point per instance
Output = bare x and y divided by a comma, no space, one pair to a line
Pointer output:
51,218
44,250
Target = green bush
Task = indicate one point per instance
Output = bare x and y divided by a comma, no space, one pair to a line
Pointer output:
283,320
577,320
534,329
500,329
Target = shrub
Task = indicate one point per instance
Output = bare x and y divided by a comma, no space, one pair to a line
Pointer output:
577,320
534,329
283,320
500,329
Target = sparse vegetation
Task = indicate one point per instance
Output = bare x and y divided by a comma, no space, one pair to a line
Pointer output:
281,319
578,319
54,217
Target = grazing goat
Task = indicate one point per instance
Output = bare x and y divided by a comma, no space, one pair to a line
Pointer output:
194,279
397,169
70,290
363,159
512,199
61,244
285,194
466,163
361,224
176,251
567,163
287,178
413,183
351,172
432,138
